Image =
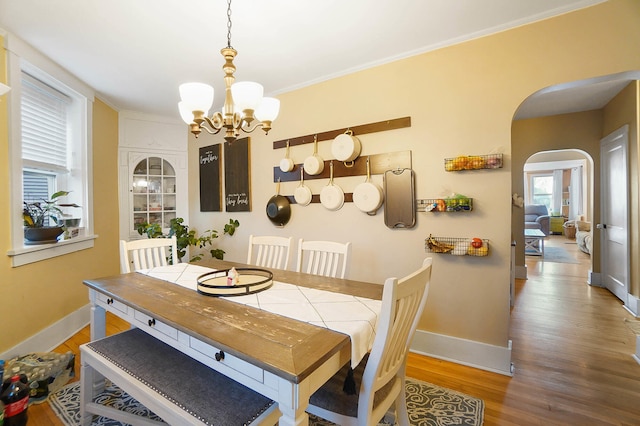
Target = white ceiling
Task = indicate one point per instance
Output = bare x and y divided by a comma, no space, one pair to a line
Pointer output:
135,53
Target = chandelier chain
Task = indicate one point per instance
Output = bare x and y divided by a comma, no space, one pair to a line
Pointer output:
229,23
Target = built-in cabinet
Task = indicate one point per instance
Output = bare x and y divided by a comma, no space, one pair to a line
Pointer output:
153,192
153,178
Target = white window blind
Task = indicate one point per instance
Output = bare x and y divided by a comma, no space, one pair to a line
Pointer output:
37,186
44,125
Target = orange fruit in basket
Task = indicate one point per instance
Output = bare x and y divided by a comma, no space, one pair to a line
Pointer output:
476,243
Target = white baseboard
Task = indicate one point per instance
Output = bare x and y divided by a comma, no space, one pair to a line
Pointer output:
521,272
52,336
594,279
633,305
462,351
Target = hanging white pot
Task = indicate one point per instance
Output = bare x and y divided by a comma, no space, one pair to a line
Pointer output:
346,147
332,196
368,196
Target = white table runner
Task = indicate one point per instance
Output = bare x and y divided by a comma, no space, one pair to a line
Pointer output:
351,315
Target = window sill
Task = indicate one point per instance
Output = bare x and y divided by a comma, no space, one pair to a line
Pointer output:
31,254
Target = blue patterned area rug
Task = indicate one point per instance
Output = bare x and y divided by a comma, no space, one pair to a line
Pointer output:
428,405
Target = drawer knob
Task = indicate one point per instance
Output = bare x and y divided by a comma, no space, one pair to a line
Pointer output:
152,322
219,356
109,301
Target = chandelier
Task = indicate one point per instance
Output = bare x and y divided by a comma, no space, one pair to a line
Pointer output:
245,108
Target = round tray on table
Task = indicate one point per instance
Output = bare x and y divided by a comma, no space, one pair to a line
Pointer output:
250,280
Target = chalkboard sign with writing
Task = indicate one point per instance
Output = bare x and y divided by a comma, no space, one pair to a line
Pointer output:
237,176
210,187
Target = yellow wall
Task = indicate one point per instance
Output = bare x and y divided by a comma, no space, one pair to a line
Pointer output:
34,296
461,100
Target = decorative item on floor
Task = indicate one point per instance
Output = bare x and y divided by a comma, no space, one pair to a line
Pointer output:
427,404
45,372
186,237
43,219
243,101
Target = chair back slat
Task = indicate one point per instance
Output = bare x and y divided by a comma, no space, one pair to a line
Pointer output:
325,258
147,253
403,303
269,251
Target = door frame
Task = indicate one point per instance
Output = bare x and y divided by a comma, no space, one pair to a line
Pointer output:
620,137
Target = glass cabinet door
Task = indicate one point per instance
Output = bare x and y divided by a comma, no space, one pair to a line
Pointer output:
153,192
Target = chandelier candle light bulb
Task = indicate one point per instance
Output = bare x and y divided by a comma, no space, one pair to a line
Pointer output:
243,103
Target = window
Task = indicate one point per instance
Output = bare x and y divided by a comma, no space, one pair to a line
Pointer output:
50,144
542,190
43,113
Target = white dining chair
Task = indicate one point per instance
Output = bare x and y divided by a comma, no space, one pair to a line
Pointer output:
269,251
380,377
147,253
326,258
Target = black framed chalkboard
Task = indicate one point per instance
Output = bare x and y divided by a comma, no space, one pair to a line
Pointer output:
210,184
237,175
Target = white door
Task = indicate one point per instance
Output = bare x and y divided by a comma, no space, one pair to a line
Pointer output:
614,227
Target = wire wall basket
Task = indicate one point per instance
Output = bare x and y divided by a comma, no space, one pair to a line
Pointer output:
445,205
457,246
473,162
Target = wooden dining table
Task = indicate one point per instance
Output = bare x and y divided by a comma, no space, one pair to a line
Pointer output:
282,358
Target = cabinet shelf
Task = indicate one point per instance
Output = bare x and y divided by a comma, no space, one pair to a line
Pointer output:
456,246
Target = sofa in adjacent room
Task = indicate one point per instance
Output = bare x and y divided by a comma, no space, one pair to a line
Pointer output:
583,236
536,216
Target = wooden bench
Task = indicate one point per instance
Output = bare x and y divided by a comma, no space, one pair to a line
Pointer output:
179,389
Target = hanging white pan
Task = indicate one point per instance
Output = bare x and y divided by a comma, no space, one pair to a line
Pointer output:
332,196
286,164
302,194
314,164
346,147
368,196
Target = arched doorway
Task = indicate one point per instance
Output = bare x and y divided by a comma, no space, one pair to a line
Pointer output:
571,126
568,195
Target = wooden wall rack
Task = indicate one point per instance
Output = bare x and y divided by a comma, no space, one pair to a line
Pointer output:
397,123
378,163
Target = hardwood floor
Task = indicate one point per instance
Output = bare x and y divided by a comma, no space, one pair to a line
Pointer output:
571,352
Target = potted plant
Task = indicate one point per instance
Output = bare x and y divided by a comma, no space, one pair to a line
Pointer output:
39,215
186,237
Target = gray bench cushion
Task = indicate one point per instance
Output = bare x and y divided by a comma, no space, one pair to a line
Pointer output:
199,390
